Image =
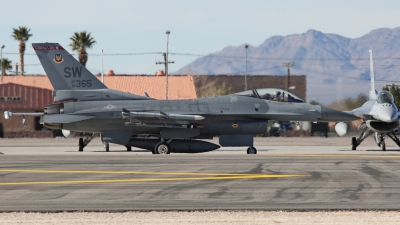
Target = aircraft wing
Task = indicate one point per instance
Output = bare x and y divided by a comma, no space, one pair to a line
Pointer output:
358,111
363,110
60,118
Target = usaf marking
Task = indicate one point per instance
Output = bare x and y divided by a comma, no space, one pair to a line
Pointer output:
76,71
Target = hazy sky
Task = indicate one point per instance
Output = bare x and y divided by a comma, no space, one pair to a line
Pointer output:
198,27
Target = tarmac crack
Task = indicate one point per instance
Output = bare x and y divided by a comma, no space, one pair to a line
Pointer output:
222,191
279,192
353,193
376,174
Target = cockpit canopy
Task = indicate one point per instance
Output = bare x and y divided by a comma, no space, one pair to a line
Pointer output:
273,94
384,97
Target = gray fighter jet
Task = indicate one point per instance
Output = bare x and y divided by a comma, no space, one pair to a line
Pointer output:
379,116
162,126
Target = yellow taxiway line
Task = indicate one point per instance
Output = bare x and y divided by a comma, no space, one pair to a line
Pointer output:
122,172
203,176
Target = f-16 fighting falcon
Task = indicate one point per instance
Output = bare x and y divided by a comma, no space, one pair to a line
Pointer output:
379,116
84,104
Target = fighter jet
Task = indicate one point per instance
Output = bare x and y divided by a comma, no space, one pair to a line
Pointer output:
84,104
379,116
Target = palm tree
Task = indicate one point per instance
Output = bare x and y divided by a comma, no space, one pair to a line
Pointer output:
5,65
80,42
22,35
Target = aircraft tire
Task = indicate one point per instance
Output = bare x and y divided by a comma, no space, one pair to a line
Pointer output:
353,143
251,151
80,144
128,148
106,146
383,145
162,148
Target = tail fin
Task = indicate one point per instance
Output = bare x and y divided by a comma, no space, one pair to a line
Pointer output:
372,92
63,70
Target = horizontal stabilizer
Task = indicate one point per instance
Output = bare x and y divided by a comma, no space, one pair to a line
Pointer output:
61,118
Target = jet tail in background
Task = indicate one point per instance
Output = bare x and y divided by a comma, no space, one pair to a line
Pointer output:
63,70
372,92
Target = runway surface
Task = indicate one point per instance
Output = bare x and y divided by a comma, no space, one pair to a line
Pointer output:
286,174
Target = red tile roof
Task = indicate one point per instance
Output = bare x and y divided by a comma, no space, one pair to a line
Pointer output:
32,81
179,87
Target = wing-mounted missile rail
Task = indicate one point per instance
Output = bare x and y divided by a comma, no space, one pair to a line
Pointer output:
161,115
177,120
8,114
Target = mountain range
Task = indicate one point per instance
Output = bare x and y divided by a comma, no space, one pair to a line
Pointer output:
335,66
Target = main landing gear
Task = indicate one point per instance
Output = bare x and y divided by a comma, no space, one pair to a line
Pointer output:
394,138
106,146
84,142
162,147
379,138
251,150
365,132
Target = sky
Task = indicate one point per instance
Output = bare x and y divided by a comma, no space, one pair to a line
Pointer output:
197,26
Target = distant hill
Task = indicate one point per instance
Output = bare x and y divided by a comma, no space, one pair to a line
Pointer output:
335,66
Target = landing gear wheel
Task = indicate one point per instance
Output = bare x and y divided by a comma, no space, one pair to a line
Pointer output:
383,145
106,146
81,144
162,148
128,148
251,150
353,143
377,139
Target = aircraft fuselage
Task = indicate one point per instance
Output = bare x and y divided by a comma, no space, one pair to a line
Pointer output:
230,114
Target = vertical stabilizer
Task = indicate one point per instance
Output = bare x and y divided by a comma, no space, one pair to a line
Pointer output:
372,92
63,70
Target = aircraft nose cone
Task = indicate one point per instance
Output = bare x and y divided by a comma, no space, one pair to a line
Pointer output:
333,115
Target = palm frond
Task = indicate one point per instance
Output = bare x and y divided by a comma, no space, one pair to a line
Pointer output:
82,40
6,64
21,34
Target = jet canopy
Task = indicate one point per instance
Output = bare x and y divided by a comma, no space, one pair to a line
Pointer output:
384,97
273,94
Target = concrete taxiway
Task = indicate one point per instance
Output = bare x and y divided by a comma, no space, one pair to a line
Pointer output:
287,174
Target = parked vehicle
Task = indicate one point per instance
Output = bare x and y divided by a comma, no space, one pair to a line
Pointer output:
285,125
320,127
278,127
